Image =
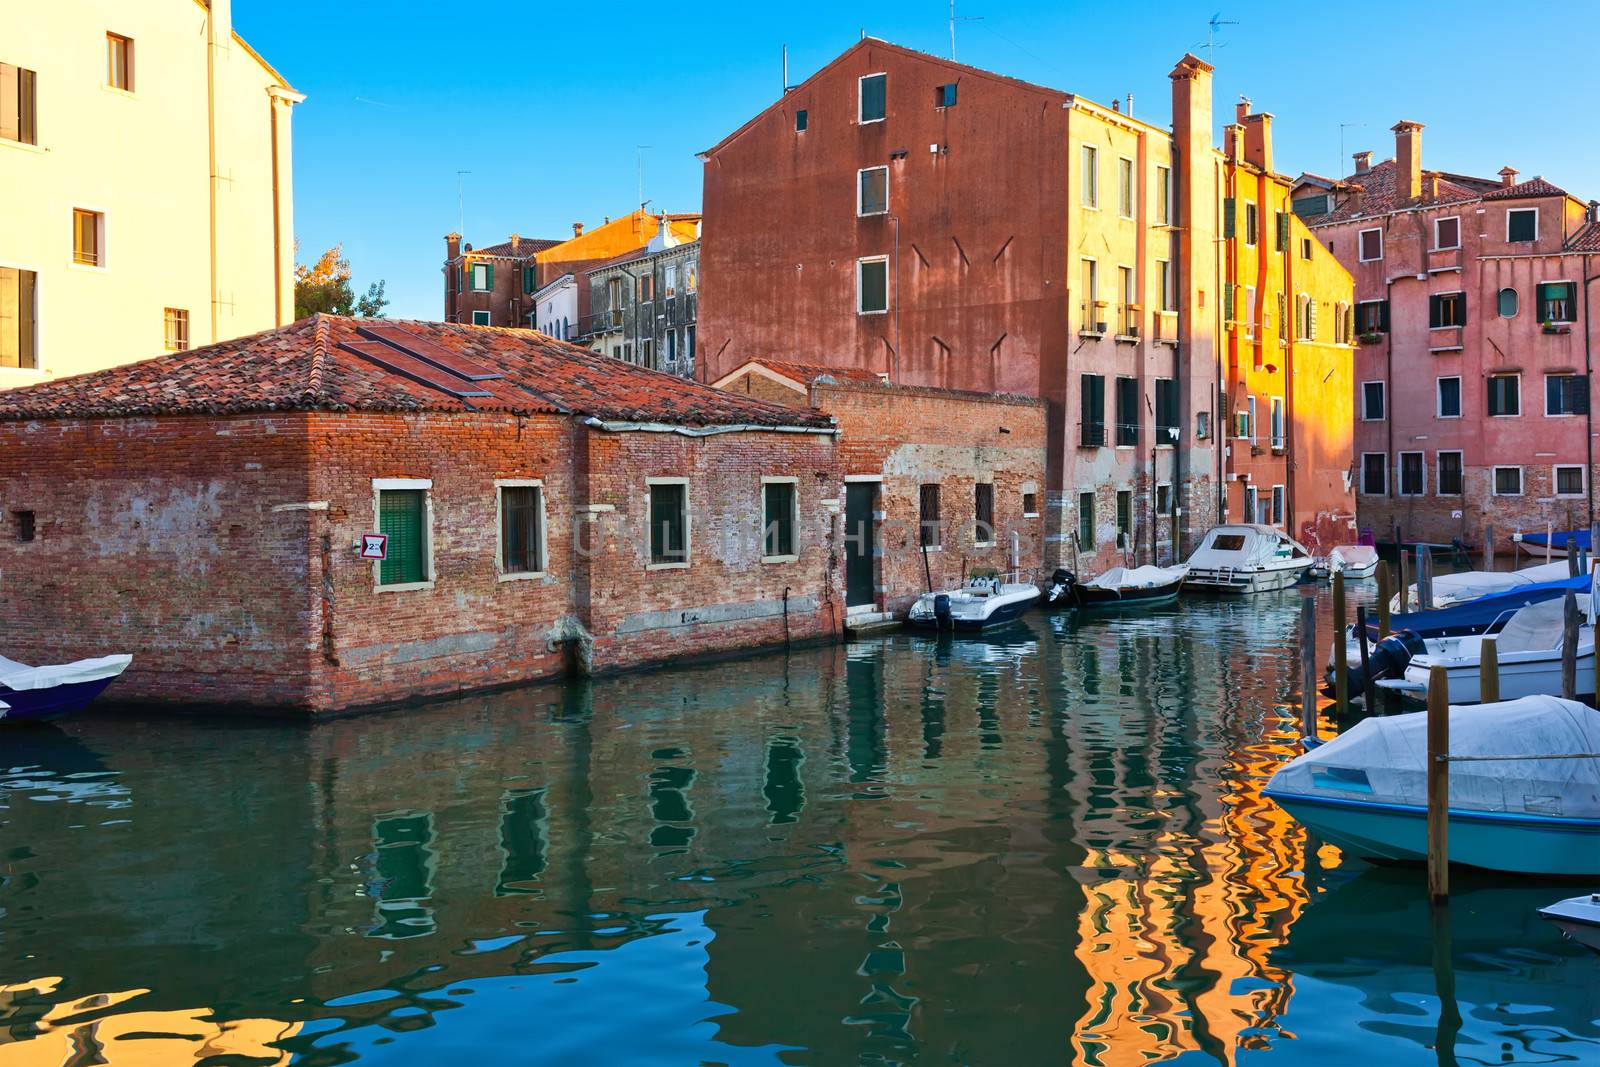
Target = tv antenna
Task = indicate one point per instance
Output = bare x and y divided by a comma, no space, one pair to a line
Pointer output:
954,18
461,200
638,153
1343,126
1213,24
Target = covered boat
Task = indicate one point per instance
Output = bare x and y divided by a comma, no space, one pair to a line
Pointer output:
1246,558
1536,810
1117,588
28,693
1558,539
1578,917
1352,561
981,603
1470,585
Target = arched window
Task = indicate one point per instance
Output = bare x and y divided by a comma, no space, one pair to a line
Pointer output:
1508,303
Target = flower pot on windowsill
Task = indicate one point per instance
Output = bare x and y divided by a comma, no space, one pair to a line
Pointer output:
1372,338
1557,327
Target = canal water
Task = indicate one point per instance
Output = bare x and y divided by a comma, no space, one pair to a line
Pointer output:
1043,846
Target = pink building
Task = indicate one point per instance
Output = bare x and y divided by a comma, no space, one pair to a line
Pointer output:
1473,400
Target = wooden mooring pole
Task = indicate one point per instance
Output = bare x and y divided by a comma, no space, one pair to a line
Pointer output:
1367,684
1488,547
1383,599
1489,671
1308,667
1572,558
1424,574
1438,784
1404,591
1569,646
1341,661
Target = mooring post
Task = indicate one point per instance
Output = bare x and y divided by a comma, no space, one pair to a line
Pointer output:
1549,540
1488,546
1366,667
1572,557
1308,667
1404,592
1423,559
1489,671
1569,646
1341,661
1383,599
1438,784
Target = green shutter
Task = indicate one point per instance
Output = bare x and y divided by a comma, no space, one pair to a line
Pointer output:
1228,211
1227,300
402,517
490,272
1283,231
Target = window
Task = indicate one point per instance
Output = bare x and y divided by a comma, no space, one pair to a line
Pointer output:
1281,244
1275,415
177,330
669,522
872,286
1306,317
1164,196
1128,313
688,342
874,98
1557,301
778,519
1447,233
1124,516
1250,310
1508,303
1522,224
1343,323
1127,412
1449,474
669,280
1505,394
1566,394
119,62
27,525
928,515
872,191
1449,390
1251,413
1569,481
1371,244
1091,316
1164,285
1125,188
691,276
1252,504
1166,411
1277,505
1230,216
647,288
1305,248
1446,310
1374,474
1310,206
672,346
1086,521
1030,505
18,106
1092,390
1508,481
1252,223
1091,176
403,517
945,95
1163,497
18,318
647,353
480,277
983,512
1412,482
1372,316
1372,401
481,318
800,121
521,528
88,237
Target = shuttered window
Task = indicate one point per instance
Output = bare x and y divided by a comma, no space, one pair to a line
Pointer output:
18,323
1449,474
874,97
17,104
1127,411
1092,428
1566,394
520,549
928,515
403,519
778,519
1504,394
1447,309
983,510
669,523
1086,520
1557,302
1229,210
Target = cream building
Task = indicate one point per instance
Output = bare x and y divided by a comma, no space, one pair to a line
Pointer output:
145,164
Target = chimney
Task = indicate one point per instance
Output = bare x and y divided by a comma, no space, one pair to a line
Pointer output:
1593,213
1258,140
1116,105
452,246
1508,176
1408,158
1363,161
1194,181
577,229
1430,180
1233,142
1241,110
1129,106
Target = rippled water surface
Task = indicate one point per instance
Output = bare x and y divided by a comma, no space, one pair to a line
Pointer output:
1045,846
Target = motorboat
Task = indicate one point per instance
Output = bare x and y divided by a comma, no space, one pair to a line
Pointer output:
1353,561
980,603
32,693
1246,558
1448,589
1529,653
1578,917
1526,802
1120,588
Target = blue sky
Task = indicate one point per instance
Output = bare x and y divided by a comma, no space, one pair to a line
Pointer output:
545,103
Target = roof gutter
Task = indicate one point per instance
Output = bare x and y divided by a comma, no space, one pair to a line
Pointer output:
622,426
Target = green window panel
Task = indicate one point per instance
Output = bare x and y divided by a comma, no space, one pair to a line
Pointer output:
402,517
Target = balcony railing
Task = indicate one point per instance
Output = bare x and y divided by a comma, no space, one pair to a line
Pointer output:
1166,327
1127,434
1128,320
1092,318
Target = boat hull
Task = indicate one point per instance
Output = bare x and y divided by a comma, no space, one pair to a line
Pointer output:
33,705
1002,614
1090,598
1538,677
1238,582
1516,844
1578,918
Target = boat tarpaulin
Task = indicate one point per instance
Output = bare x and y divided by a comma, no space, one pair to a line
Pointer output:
19,676
1145,577
1383,760
1469,585
1473,615
1354,555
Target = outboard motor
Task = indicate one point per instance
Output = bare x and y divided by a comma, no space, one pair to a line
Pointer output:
941,611
1061,583
1388,659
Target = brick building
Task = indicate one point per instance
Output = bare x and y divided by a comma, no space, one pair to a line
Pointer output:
642,307
952,228
1471,379
545,509
938,483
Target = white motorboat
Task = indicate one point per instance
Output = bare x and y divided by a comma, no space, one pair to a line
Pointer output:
1578,918
981,603
1246,558
1529,652
1353,561
1533,810
1470,585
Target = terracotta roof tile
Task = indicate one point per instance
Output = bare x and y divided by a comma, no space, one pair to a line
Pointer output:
526,247
1380,193
1586,239
331,363
1535,186
806,373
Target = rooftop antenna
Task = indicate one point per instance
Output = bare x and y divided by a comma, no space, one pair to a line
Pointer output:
954,18
785,68
461,200
638,152
1213,24
1343,126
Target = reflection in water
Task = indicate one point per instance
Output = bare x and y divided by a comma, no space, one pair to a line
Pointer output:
1046,844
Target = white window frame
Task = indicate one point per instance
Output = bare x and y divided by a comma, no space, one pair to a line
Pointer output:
1383,389
1277,424
887,291
1278,504
1400,472
501,574
794,517
426,485
1494,480
1555,485
1438,397
688,526
102,228
1361,256
1164,282
1252,503
1251,217
1361,480
861,211
1089,176
1437,247
1130,187
861,95
472,277
1514,210
487,320
1547,412
1438,466
1251,407
1576,293
1489,378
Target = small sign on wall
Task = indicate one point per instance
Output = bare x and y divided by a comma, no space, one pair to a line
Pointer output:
375,546
1455,514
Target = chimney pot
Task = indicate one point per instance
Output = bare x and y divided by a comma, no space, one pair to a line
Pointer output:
577,229
452,245
1408,157
1258,140
1241,109
1363,161
516,244
1116,105
1508,176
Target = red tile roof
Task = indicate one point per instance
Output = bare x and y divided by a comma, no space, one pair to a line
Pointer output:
1532,187
1586,239
331,363
806,373
1380,193
526,247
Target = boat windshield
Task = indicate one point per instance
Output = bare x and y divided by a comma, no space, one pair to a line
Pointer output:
1228,542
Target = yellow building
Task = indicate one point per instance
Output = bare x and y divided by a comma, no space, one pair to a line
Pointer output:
144,155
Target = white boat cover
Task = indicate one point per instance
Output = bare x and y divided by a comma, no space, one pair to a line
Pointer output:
1145,577
1470,585
1241,546
1383,760
1354,556
1538,627
19,676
